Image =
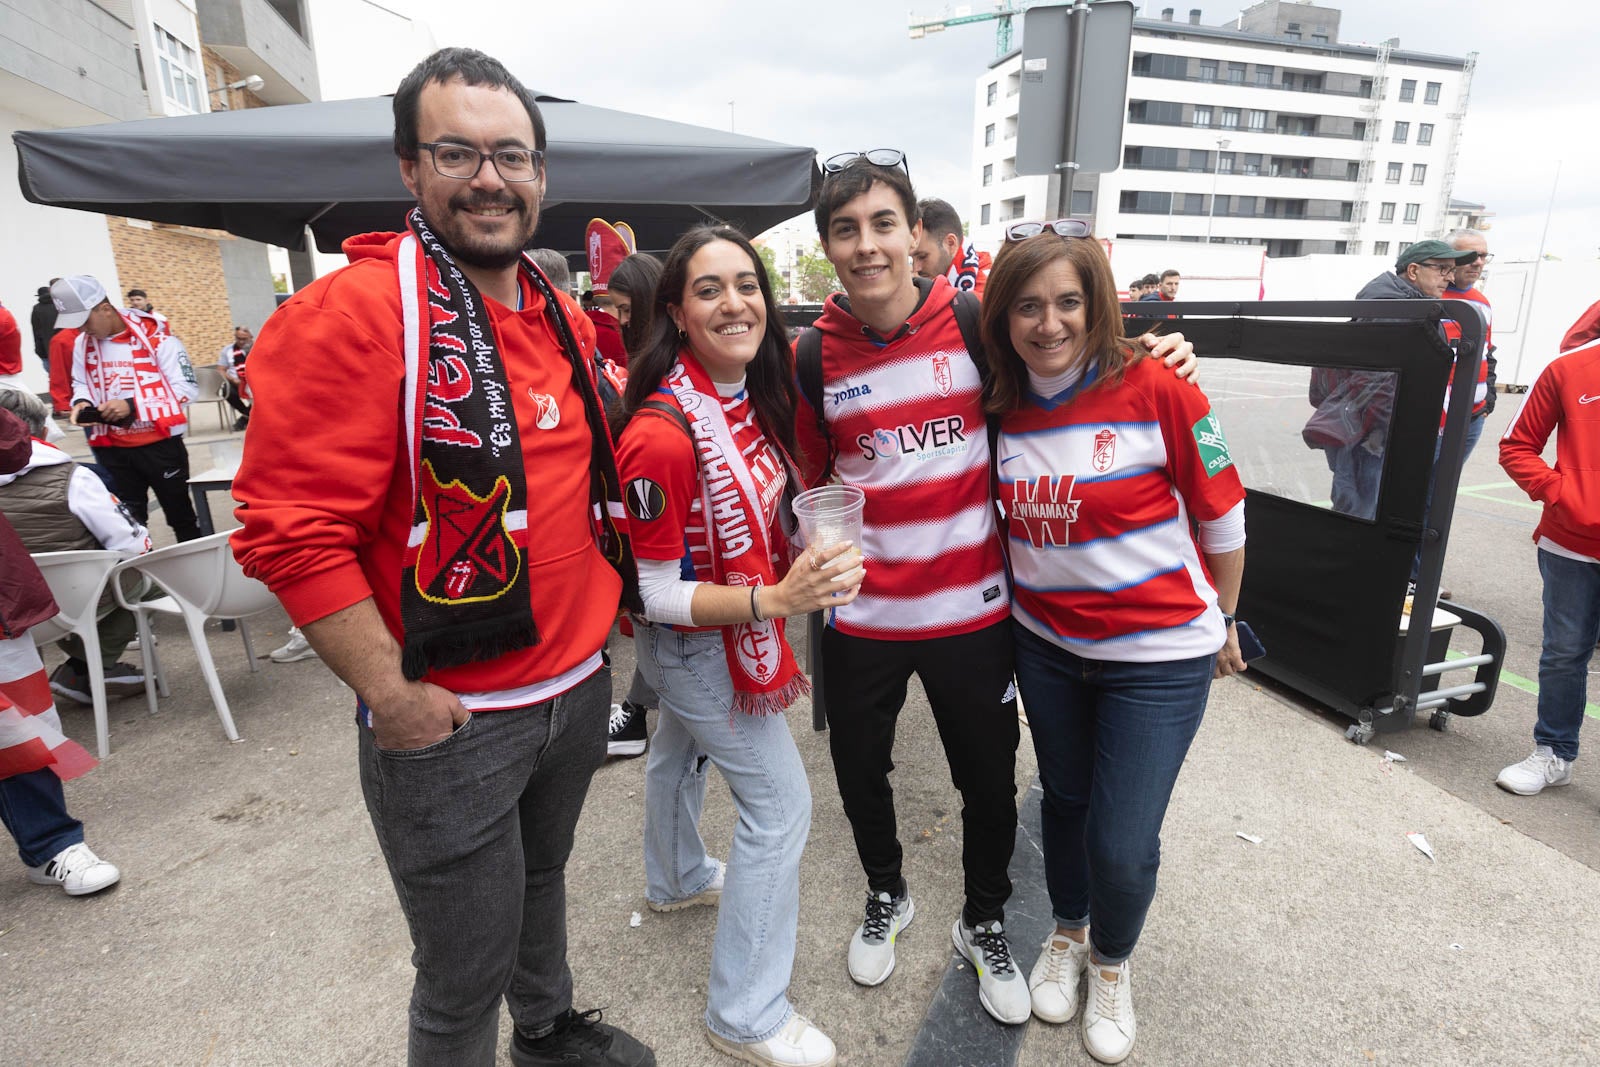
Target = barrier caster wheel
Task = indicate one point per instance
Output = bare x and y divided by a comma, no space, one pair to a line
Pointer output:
1439,720
1360,732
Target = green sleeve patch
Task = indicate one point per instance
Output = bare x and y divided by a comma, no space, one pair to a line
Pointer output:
1213,446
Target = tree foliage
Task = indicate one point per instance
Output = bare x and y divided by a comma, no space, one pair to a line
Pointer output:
814,276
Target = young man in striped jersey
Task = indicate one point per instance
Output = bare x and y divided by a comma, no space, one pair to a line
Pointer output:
902,418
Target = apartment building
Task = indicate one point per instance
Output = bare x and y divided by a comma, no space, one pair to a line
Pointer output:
1266,130
83,62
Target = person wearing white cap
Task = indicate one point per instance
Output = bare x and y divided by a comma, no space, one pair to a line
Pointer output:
130,391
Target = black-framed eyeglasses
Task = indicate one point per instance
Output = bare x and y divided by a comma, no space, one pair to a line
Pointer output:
878,157
1442,268
463,162
1021,231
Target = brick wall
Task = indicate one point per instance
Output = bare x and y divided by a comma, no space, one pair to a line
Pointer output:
181,270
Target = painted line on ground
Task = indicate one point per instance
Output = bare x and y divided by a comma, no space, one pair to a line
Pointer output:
1527,685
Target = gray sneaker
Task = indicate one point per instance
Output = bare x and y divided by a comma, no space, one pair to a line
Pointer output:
1541,769
871,958
297,648
1001,987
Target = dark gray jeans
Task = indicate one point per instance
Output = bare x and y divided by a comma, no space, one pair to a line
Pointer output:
476,830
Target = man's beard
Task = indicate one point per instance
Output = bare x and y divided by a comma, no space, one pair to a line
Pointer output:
484,252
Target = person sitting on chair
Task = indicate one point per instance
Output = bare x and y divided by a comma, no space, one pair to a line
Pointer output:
230,361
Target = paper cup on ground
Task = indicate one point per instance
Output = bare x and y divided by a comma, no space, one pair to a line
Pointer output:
830,515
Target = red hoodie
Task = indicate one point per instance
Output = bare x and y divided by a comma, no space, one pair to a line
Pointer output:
1563,397
325,487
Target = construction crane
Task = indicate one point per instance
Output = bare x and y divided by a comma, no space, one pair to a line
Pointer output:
1001,11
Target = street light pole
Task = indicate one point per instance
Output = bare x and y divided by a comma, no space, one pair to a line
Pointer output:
1222,143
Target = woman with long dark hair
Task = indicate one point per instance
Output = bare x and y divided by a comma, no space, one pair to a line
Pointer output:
705,461
1121,614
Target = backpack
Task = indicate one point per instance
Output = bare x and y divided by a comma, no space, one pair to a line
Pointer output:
808,367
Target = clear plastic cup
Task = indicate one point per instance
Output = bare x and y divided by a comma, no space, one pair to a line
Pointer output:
830,515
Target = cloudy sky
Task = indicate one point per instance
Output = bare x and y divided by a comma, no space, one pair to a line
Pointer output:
843,74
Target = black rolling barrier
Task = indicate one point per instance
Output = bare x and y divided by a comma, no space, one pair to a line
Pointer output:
1325,588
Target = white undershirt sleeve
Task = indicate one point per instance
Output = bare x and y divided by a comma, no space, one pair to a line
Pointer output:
1223,534
666,595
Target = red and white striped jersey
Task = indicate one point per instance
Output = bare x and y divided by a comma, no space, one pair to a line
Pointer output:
1480,392
906,420
1099,487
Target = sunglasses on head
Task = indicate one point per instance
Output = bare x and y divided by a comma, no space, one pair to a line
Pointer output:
878,157
1021,231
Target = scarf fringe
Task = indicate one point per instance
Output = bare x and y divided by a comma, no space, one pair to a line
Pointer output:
775,702
458,645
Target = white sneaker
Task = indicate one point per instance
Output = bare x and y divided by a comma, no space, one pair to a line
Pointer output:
798,1044
1542,768
1001,989
711,895
77,870
1053,982
871,957
1108,1023
296,649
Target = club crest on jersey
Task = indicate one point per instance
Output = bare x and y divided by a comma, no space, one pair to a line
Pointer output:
547,413
942,378
466,554
1105,450
1042,510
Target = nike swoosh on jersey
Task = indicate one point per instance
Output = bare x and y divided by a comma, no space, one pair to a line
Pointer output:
1588,399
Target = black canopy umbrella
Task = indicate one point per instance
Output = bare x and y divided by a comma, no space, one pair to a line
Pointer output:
267,173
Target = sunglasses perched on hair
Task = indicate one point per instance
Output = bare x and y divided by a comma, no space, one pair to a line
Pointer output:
1021,231
878,157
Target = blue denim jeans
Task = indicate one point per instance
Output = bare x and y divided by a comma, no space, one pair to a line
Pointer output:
753,954
1571,627
34,808
1111,738
1356,478
476,830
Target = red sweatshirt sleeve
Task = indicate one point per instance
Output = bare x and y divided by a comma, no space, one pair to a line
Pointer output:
320,458
1529,432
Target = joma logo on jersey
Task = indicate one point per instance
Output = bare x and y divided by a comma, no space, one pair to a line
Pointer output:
851,393
908,440
1043,509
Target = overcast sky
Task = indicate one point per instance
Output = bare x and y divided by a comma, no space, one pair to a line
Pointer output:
843,74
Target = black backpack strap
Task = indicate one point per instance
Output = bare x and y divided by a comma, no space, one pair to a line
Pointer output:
808,376
672,413
969,313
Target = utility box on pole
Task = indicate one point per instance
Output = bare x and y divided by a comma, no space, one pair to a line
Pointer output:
1061,98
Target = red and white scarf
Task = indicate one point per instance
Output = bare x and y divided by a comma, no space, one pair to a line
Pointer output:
30,729
157,407
766,678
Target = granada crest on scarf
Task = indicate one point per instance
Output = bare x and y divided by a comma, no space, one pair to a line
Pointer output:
766,678
464,594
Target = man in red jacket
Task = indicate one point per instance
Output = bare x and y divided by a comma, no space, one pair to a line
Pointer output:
444,537
1568,536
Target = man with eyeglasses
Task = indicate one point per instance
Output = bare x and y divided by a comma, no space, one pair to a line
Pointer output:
443,536
891,387
1464,286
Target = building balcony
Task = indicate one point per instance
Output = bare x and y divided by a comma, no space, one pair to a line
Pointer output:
1238,172
1241,130
69,63
1319,90
271,38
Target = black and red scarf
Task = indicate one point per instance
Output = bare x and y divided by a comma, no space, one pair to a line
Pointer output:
464,591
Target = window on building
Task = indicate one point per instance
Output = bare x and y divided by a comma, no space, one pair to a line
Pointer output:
1236,73
1252,164
1393,177
1160,112
1402,132
1319,38
1293,35
1425,133
1145,203
988,174
1208,70
988,135
1244,206
992,94
1230,118
1380,248
1258,120
1194,204
1386,212
1083,201
1405,245
1225,163
1202,115
1408,90
983,215
1264,75
180,73
1432,95
1419,173
1413,211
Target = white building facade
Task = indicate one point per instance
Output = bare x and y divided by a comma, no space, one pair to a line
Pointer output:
1263,132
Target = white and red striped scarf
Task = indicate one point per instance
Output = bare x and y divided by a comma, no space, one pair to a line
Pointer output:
30,729
158,408
766,678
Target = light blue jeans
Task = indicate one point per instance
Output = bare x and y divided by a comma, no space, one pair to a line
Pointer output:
753,954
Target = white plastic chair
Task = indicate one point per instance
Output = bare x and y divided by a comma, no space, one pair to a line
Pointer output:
203,581
76,580
213,390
